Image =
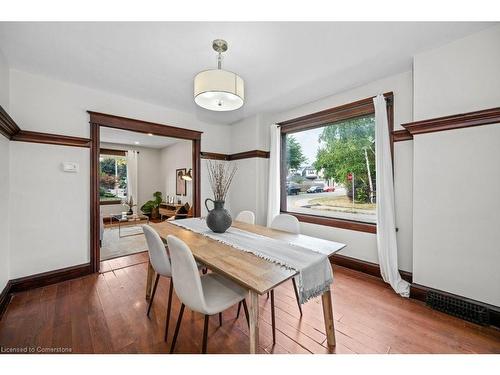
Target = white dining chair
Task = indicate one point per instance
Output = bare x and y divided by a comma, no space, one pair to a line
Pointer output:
285,223
246,217
161,264
207,294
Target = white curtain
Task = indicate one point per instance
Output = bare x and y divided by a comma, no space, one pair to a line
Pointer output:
132,157
386,221
273,196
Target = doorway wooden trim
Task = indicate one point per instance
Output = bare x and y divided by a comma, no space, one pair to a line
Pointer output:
97,120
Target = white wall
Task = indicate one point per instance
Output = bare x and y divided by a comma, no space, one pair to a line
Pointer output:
249,187
4,178
459,77
56,235
173,157
42,104
4,82
456,179
148,175
457,212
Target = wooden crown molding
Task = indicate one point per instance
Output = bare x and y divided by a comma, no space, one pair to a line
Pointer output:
463,120
238,156
8,127
401,135
125,123
213,156
250,154
51,139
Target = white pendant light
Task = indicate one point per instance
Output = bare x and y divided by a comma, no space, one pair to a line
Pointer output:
217,89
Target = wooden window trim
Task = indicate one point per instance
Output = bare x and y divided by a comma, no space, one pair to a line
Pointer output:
359,108
109,202
110,152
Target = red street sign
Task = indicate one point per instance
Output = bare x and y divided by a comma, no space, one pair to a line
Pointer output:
349,176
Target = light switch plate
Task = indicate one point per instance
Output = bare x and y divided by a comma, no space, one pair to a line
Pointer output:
70,167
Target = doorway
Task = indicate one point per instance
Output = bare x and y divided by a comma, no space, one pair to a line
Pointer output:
104,124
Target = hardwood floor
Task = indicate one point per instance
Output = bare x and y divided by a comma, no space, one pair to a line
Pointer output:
106,313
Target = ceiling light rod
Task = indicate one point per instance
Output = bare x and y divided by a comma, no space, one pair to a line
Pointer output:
219,45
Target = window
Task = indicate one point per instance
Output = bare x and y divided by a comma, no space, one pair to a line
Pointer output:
113,178
328,167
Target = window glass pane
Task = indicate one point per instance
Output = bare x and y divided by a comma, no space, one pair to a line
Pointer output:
113,177
325,164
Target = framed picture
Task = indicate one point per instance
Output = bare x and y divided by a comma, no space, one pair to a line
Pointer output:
180,183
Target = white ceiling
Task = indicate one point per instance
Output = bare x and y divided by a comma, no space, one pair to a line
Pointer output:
125,137
283,64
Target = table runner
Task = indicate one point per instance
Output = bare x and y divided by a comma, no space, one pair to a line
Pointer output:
314,270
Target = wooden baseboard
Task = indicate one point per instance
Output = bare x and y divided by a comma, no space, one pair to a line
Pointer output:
369,268
5,297
50,277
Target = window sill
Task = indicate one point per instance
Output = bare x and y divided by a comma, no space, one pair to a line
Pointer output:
104,203
333,222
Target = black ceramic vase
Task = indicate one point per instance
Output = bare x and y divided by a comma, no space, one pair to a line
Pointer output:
218,219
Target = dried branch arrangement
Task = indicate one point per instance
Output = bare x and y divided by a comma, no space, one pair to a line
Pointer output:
220,174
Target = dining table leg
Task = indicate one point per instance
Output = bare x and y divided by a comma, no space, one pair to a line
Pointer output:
326,299
149,280
254,322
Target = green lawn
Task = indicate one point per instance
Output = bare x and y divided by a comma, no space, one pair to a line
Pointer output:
342,202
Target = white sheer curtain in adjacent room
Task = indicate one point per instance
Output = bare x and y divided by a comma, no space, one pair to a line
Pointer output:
132,157
386,222
273,201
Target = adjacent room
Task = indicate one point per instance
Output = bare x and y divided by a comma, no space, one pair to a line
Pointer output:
142,179
250,188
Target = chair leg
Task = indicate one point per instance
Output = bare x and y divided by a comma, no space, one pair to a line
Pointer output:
205,335
169,308
267,294
177,327
297,295
153,293
239,308
245,308
220,319
273,319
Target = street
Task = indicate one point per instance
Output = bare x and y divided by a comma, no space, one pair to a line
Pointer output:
297,203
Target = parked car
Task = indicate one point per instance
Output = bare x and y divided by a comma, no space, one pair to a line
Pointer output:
315,189
292,189
329,189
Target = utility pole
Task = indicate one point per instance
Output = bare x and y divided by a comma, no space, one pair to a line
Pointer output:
369,175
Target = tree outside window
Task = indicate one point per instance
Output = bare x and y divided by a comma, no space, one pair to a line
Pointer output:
319,162
113,177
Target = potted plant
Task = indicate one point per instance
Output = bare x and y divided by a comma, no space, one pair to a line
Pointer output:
152,207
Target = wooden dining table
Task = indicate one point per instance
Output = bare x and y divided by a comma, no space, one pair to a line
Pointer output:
255,274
